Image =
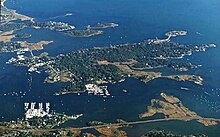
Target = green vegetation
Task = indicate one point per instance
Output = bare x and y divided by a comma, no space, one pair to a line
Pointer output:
11,26
47,121
9,46
6,132
83,33
23,35
57,26
102,26
83,63
83,68
95,123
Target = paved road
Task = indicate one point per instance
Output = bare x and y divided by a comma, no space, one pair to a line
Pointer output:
117,124
141,122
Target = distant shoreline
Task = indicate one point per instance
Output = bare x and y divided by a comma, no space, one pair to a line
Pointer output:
15,15
2,3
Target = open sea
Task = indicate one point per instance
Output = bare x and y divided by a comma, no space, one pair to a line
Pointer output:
138,20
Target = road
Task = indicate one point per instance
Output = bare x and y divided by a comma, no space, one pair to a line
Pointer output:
107,125
141,122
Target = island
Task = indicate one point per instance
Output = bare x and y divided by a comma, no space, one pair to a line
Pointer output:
169,35
112,64
102,26
86,70
176,33
83,33
8,29
173,109
23,35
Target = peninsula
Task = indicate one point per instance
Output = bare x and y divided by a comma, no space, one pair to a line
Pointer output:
10,15
22,46
173,108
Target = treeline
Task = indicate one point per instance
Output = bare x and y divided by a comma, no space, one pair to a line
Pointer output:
83,63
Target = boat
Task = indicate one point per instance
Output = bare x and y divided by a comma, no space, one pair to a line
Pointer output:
76,116
69,14
122,80
184,88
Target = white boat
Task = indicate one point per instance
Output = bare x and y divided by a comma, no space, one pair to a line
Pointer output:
122,80
69,14
184,88
76,116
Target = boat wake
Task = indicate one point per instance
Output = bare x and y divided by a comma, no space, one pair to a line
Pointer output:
61,16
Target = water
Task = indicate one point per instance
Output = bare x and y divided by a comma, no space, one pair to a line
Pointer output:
139,20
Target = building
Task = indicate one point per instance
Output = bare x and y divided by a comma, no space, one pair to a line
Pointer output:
36,112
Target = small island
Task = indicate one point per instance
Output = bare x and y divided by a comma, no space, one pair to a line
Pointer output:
102,26
169,36
83,33
176,33
23,35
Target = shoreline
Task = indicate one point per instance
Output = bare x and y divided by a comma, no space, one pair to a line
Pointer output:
15,15
2,3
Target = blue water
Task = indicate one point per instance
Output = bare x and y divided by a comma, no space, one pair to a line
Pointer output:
139,20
